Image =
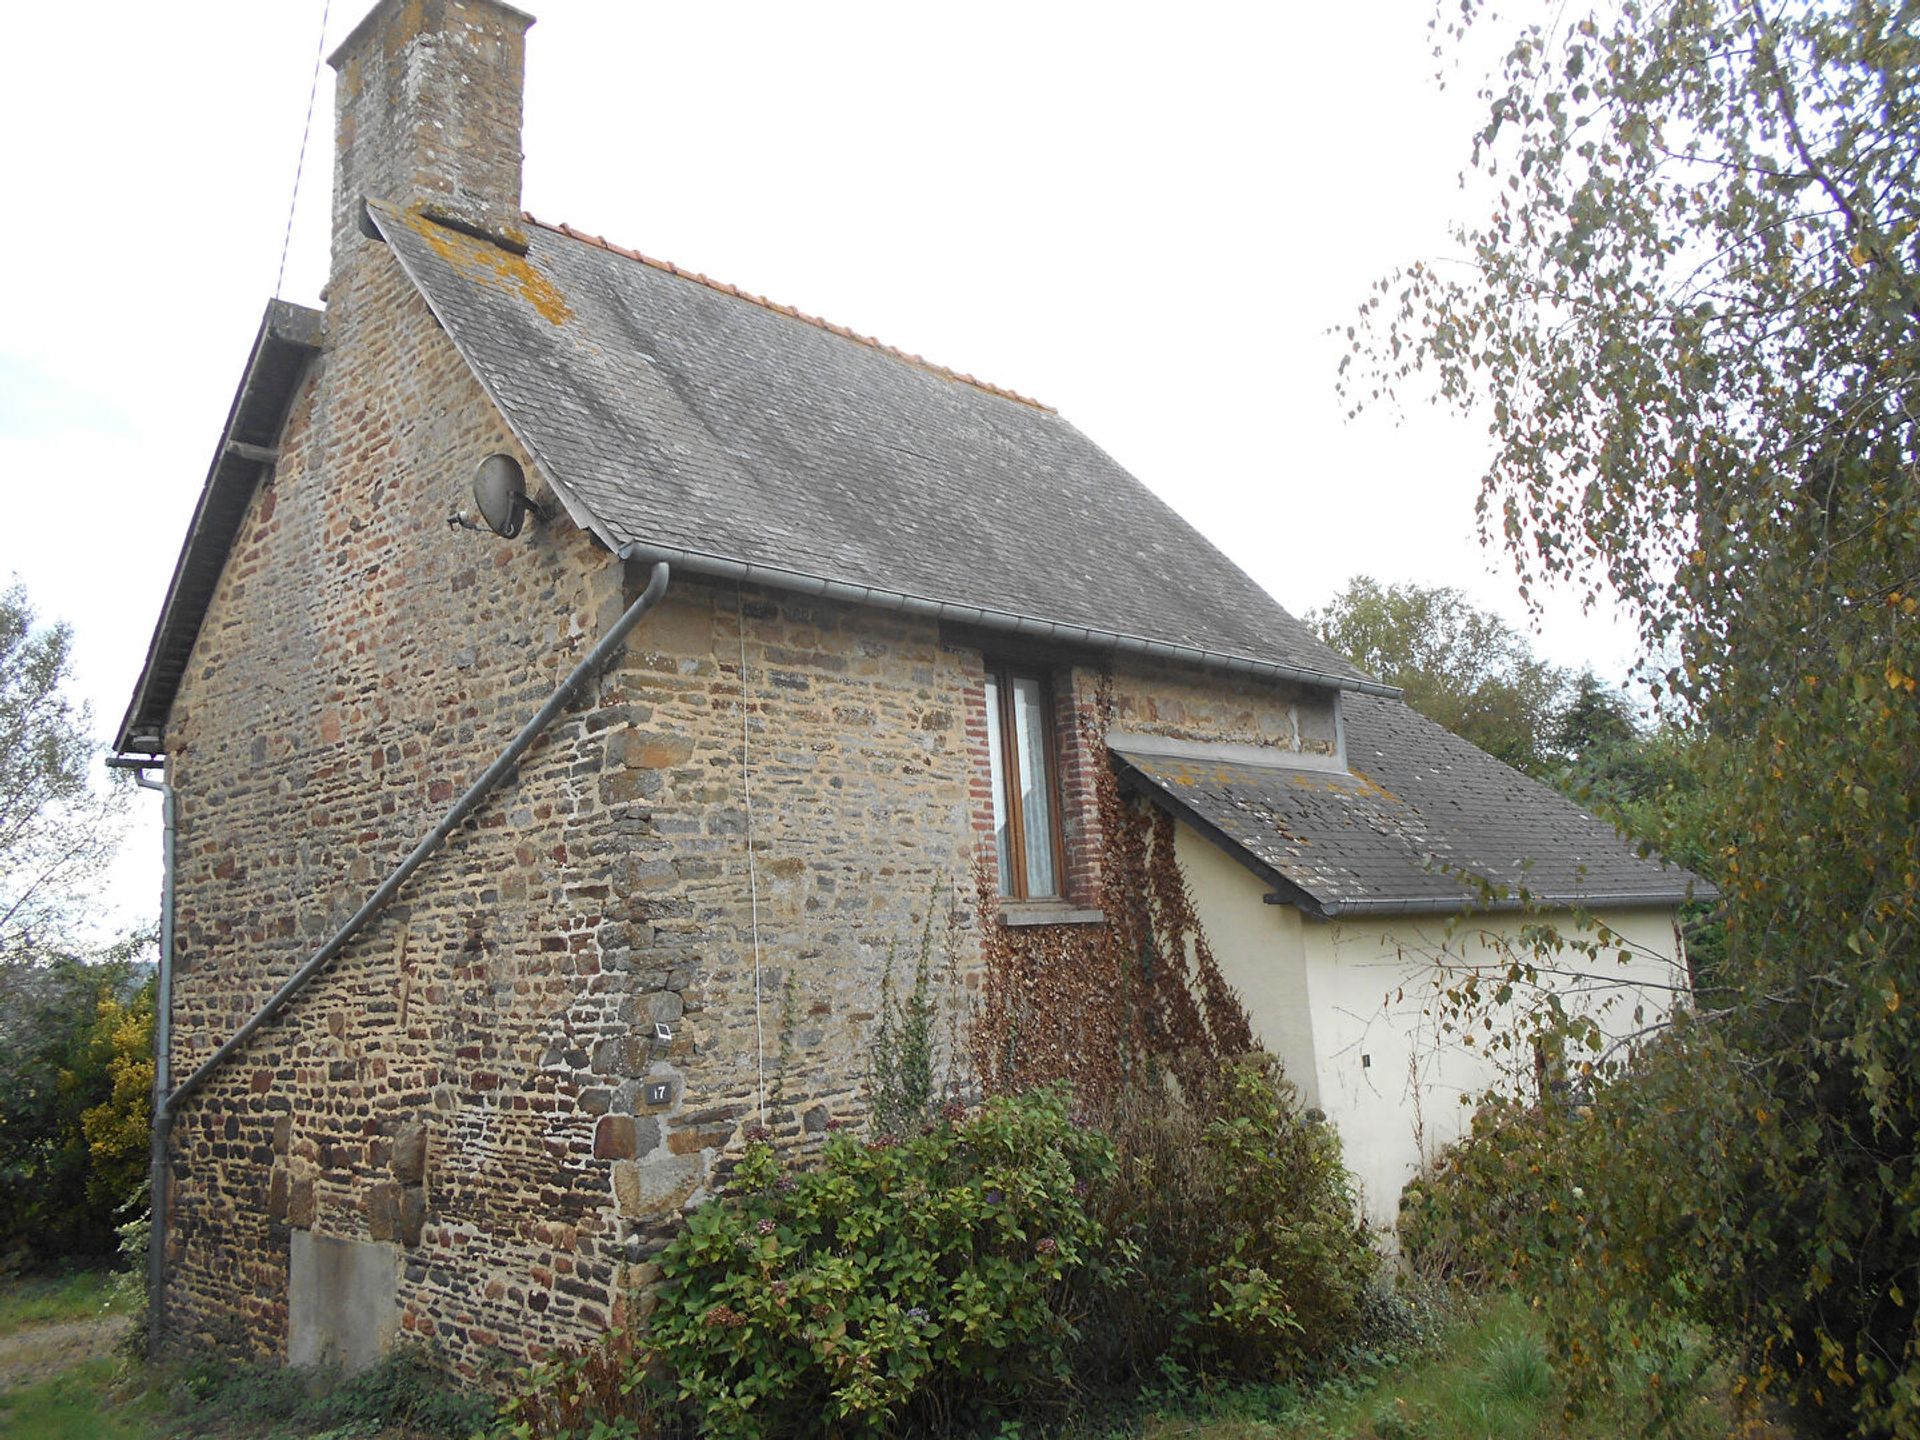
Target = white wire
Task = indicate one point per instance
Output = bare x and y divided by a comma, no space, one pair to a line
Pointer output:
753,878
299,165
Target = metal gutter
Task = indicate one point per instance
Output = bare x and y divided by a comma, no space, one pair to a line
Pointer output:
169,1105
1442,905
720,567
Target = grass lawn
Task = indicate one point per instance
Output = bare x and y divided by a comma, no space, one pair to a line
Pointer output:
1488,1379
76,1404
100,1399
62,1378
52,1300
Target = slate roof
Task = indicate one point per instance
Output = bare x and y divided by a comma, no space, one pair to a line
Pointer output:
674,412
1419,821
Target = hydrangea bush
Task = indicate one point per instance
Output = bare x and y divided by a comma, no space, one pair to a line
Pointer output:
921,1274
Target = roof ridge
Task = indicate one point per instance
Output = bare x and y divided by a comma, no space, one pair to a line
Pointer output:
918,361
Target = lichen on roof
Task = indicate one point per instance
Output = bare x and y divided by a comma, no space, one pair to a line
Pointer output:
492,264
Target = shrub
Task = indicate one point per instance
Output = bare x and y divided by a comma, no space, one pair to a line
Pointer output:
75,1088
1571,1205
602,1391
940,1273
1517,1368
943,1278
127,1286
1493,1207
1251,1259
1401,1316
408,1390
905,1090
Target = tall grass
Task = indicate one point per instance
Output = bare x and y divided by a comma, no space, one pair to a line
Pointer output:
1488,1378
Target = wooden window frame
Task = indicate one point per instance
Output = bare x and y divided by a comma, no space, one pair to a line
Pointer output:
1000,675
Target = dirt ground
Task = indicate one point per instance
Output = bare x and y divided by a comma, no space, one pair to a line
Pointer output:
30,1356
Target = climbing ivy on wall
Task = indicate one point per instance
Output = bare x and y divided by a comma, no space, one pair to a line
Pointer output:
1097,1004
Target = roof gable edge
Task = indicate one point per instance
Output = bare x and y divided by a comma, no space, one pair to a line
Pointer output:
698,534
288,336
1285,891
577,509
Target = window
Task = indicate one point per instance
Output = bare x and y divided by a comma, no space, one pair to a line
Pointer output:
1026,811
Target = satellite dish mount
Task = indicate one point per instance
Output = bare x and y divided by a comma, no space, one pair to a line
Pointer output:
500,495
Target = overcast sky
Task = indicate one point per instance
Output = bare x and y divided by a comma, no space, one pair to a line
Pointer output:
1147,217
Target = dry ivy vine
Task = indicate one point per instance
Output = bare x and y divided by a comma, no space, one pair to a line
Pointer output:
1093,1004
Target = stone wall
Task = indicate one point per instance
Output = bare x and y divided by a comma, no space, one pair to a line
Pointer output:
471,1081
427,108
1185,702
359,664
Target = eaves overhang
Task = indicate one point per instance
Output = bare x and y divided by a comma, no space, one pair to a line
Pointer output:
1505,901
1033,627
288,337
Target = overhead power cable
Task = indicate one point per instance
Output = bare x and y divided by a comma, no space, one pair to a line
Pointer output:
306,129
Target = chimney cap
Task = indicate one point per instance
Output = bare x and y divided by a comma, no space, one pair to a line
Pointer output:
370,21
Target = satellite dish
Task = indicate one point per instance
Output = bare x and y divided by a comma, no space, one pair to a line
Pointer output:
500,490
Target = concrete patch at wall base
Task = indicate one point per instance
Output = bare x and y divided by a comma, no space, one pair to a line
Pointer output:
343,1305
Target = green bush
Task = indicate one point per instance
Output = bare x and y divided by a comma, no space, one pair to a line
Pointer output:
1496,1203
941,1274
942,1279
75,1088
409,1390
1517,1368
1570,1204
1402,1315
1252,1261
602,1391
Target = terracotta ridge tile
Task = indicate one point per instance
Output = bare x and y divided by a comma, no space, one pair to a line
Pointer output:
600,242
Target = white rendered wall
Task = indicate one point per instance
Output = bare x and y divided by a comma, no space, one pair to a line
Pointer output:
1260,949
1349,1006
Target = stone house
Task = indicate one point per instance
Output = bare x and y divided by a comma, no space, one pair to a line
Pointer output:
468,1110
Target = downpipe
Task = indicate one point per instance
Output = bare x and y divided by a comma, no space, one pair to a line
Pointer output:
169,1105
162,1048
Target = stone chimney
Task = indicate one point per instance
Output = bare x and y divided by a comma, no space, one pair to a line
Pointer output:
427,116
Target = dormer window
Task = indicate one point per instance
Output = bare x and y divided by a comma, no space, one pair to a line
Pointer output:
1026,808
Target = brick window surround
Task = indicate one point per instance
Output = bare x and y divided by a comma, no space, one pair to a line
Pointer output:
1074,756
